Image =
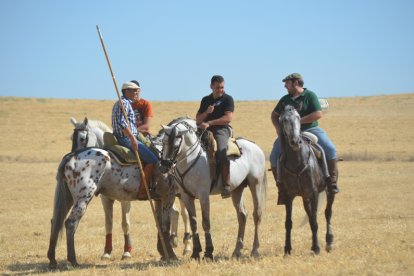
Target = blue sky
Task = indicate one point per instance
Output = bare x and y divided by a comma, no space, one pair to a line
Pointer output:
342,48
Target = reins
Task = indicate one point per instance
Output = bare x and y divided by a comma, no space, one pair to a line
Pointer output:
178,176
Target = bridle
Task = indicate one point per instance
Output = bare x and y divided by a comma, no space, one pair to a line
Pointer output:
173,163
75,137
299,172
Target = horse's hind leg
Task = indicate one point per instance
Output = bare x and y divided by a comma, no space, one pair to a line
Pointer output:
311,207
71,224
237,197
187,228
328,215
108,205
126,208
63,203
174,215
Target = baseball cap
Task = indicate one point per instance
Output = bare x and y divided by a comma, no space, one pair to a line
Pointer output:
129,85
136,82
293,76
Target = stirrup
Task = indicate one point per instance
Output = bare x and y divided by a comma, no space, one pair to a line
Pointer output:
225,193
281,199
333,188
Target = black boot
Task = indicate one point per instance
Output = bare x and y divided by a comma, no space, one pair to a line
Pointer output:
333,176
225,175
281,197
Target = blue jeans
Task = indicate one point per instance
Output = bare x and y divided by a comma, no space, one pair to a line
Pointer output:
323,140
145,154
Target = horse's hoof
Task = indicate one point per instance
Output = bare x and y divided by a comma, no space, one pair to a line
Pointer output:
174,241
106,256
208,257
316,250
195,256
255,254
74,264
186,251
53,265
236,255
329,247
126,255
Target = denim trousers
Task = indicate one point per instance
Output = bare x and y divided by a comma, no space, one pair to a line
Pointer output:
323,140
145,154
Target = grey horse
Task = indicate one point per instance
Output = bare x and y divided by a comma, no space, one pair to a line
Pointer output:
302,174
187,161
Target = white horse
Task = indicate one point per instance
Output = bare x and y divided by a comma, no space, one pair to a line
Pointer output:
91,171
89,133
188,163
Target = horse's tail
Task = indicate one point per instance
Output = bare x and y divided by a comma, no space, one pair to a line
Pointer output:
63,200
263,192
321,200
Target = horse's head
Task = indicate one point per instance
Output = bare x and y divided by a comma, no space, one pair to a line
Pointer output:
290,125
176,139
82,136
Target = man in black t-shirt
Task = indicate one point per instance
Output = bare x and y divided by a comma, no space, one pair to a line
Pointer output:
215,114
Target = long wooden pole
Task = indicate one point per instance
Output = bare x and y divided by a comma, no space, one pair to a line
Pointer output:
143,179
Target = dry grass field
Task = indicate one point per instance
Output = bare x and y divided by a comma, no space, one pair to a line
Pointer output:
373,215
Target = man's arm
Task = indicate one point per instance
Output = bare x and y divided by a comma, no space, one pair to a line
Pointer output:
223,120
127,132
144,127
312,117
201,116
275,121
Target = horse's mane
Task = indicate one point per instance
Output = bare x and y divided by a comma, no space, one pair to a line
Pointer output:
92,123
99,124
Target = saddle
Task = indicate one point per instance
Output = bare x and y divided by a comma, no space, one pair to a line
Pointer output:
312,139
210,145
122,155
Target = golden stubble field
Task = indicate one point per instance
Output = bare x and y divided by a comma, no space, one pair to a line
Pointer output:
373,215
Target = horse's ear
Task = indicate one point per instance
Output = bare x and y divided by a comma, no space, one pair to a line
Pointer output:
164,127
85,121
73,121
283,106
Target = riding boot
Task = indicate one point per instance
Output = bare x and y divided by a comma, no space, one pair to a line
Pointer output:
281,197
333,176
225,174
142,193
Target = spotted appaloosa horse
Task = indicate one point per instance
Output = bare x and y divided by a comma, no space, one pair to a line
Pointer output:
92,171
302,175
89,133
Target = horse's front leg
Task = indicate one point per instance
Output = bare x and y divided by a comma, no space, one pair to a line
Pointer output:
126,219
311,207
205,212
189,204
163,217
288,226
328,215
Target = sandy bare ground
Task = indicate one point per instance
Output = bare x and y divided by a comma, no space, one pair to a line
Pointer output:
373,215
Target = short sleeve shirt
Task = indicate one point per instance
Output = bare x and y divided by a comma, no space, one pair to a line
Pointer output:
221,105
305,104
142,109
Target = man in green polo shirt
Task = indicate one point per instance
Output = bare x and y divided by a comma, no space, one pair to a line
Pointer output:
307,104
